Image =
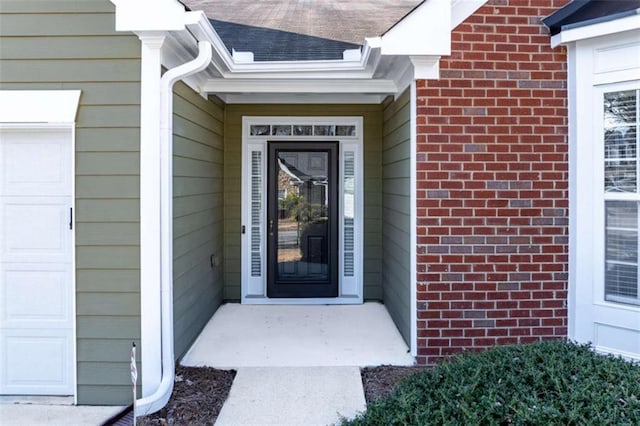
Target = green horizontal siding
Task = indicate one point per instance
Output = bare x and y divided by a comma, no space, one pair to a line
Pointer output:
72,45
198,162
372,115
396,219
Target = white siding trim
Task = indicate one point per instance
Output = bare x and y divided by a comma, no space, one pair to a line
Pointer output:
413,219
150,340
610,327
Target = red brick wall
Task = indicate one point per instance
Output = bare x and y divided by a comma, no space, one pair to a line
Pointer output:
492,172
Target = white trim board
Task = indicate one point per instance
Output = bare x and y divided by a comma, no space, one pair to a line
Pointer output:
253,285
39,106
596,65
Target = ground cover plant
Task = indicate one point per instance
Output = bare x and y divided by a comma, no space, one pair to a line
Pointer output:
546,383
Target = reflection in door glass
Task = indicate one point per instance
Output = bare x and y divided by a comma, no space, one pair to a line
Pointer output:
303,206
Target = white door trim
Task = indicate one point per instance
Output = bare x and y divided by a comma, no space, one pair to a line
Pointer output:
49,110
253,288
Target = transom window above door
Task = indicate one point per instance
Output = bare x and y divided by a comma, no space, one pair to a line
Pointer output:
303,130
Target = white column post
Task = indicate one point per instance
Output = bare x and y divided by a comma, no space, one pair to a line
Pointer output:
150,212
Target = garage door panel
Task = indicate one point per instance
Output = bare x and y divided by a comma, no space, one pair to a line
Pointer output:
35,163
35,298
35,229
36,363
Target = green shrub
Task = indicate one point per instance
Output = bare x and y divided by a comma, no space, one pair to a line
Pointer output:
547,383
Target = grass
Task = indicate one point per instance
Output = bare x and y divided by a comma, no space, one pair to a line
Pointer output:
546,383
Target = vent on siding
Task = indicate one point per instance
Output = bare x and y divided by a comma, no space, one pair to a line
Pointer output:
349,206
256,212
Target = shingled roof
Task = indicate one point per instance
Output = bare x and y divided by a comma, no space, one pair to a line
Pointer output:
585,12
288,30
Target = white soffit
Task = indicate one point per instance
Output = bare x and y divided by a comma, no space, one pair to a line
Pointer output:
596,30
39,106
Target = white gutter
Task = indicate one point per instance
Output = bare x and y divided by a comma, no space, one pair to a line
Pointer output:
159,398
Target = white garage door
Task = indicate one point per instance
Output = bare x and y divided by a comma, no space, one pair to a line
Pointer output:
36,294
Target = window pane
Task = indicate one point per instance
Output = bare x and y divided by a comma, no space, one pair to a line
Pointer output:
621,252
302,130
620,108
259,130
324,130
281,130
620,141
346,130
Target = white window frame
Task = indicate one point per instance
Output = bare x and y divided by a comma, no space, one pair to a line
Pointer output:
602,197
350,289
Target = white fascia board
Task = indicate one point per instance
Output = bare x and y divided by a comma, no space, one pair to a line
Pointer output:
39,106
300,86
425,31
301,98
149,15
198,24
596,30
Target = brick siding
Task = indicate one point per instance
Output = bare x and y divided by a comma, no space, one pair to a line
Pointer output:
492,172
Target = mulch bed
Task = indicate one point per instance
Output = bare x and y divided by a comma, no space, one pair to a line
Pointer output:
197,398
199,393
379,382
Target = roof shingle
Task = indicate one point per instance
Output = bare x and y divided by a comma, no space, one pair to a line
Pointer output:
338,20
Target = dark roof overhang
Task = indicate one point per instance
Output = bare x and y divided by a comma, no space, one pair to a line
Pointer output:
581,13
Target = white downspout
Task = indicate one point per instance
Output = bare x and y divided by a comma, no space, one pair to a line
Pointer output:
159,398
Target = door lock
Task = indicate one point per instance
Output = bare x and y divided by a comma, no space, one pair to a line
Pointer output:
271,227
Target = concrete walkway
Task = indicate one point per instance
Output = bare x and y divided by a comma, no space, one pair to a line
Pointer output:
297,365
51,411
293,396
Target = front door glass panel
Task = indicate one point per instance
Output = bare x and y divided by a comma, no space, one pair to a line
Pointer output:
302,226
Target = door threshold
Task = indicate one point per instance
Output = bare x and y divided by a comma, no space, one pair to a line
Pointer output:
343,300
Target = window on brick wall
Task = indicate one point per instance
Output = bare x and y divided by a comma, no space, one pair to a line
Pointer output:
622,195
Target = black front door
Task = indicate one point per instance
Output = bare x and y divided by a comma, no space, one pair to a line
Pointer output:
302,212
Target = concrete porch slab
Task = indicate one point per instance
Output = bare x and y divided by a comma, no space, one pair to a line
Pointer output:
293,396
299,336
